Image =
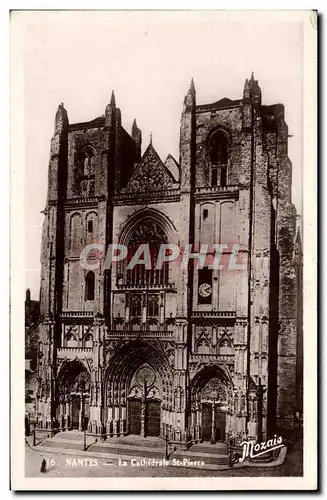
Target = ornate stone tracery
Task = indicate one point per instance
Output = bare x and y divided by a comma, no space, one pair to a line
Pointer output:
140,371
151,174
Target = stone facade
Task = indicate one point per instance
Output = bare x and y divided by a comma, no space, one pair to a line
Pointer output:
182,352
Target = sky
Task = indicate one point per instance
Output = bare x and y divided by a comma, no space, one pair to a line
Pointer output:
148,59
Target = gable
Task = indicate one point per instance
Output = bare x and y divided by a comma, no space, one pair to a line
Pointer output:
150,174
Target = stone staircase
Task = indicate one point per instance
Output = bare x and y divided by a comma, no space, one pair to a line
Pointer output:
133,447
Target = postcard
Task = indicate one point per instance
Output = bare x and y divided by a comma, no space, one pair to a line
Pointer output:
164,223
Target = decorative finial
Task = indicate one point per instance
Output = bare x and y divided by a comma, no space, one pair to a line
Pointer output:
113,100
151,138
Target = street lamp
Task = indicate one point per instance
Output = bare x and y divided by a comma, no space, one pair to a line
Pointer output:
82,413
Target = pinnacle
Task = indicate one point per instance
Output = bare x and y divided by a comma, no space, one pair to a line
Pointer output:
246,85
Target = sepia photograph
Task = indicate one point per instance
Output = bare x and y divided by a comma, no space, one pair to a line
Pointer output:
164,191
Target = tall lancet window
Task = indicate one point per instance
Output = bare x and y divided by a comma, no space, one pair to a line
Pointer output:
84,175
89,286
218,150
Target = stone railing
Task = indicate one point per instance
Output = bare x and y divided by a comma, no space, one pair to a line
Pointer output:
214,314
216,192
169,194
70,314
146,286
84,200
73,352
222,358
141,333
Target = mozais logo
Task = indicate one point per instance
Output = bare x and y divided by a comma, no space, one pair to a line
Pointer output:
251,449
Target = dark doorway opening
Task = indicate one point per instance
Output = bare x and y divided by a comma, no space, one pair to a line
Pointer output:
152,418
206,421
220,423
76,406
134,416
220,426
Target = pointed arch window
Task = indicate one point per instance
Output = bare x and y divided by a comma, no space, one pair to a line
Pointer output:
89,286
88,342
88,164
71,341
153,306
236,404
225,347
218,151
203,347
84,184
76,234
136,305
151,233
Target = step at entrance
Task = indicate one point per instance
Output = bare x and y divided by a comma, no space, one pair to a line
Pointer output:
134,447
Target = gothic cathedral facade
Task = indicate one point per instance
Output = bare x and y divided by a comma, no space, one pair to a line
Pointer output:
191,353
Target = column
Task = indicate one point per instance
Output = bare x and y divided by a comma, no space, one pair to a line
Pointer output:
198,422
81,414
214,338
67,414
110,420
193,422
61,415
127,308
62,335
252,420
213,424
116,421
144,309
162,308
49,420
123,420
143,410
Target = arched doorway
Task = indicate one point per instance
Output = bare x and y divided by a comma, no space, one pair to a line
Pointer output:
73,396
144,402
138,391
210,405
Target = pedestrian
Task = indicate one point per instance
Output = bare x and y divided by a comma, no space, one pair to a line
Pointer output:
43,465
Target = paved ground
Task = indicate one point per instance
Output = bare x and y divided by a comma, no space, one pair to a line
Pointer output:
61,464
